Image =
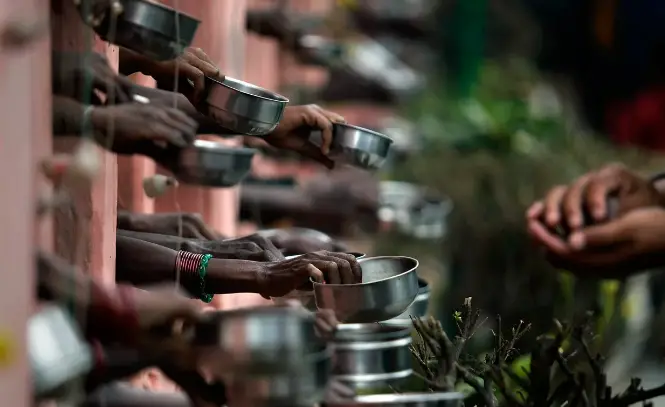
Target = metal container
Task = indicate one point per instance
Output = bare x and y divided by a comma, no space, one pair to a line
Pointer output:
305,233
289,390
213,164
357,146
306,297
418,308
258,341
371,355
390,284
58,353
448,399
156,31
242,107
413,209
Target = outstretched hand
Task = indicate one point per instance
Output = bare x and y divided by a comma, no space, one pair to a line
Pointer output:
296,126
629,244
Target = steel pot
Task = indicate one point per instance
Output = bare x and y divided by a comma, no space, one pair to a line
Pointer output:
449,399
242,107
258,341
159,32
288,390
418,308
390,284
357,146
371,355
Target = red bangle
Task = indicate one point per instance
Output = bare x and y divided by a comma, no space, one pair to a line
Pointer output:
187,270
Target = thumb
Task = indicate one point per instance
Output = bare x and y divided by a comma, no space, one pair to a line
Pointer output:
605,234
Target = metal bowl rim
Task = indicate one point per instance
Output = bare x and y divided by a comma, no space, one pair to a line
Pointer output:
373,345
407,397
412,269
218,314
364,130
165,7
217,147
276,96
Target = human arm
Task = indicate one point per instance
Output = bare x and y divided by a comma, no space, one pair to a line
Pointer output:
166,98
183,224
249,248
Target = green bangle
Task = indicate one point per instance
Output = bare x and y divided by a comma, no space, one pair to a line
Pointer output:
203,270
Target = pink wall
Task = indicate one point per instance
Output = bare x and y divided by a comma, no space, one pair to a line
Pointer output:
25,115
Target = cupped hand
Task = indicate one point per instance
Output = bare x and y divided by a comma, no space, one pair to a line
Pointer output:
585,200
193,225
277,279
631,243
134,128
193,65
78,74
296,126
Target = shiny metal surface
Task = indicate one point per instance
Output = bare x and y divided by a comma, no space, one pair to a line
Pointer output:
357,146
367,355
418,308
449,399
306,297
213,164
242,107
390,284
296,232
288,390
150,29
258,341
58,353
415,210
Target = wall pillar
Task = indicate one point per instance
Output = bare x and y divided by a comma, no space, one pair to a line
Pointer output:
25,115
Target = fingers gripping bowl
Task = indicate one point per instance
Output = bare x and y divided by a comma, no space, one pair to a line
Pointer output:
390,285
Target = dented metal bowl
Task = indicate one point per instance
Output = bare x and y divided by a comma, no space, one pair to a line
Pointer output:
356,146
390,285
151,29
242,107
213,164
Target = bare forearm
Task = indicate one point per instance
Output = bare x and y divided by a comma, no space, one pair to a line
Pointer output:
142,263
67,116
172,242
206,124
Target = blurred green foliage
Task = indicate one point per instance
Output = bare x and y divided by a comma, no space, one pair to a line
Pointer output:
494,154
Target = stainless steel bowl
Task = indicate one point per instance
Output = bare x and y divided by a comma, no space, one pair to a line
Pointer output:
390,284
448,399
150,29
413,209
371,355
258,341
305,233
242,107
58,353
357,146
418,308
306,297
213,164
288,390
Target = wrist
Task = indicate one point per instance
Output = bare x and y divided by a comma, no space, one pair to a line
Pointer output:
227,276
